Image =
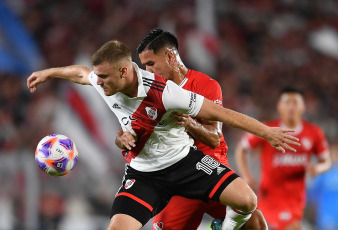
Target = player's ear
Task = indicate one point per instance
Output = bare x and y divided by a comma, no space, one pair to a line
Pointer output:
123,71
170,56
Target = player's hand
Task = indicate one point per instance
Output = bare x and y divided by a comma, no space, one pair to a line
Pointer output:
312,170
280,139
37,78
127,140
182,119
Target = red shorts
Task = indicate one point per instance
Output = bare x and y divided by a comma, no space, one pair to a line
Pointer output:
186,214
279,217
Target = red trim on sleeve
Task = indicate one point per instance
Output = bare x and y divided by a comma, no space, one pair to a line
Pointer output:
148,206
220,182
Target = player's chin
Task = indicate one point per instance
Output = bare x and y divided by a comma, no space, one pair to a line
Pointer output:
108,92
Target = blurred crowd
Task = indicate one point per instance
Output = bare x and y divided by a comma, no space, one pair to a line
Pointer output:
252,48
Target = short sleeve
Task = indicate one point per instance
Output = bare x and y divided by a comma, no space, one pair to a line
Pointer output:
212,91
251,141
176,98
92,78
321,146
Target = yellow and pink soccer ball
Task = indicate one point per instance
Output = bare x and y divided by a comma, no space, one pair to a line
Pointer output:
56,155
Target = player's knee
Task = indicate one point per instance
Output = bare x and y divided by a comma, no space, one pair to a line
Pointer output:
249,202
113,225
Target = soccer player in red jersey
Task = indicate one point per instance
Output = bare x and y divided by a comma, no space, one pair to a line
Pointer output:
281,195
158,51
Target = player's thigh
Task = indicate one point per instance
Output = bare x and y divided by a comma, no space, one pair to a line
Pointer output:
180,213
124,222
199,176
239,195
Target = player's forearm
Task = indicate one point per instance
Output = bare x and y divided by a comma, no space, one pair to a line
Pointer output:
204,134
323,165
75,73
210,111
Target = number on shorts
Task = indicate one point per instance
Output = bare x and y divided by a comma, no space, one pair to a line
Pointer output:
207,164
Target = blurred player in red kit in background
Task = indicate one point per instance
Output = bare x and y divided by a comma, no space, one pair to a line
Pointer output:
158,51
281,193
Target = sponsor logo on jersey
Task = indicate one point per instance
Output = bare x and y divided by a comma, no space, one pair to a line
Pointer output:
285,215
116,106
158,226
218,102
129,183
151,112
290,159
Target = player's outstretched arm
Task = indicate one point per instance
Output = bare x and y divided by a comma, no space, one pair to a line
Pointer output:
75,73
276,136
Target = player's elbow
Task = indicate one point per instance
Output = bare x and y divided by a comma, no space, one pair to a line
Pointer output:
212,140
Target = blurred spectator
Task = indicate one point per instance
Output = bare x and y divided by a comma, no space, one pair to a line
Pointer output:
323,195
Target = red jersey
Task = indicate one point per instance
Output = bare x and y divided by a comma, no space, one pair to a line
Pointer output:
282,188
204,85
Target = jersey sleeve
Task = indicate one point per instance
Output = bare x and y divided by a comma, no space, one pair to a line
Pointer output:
92,78
212,91
251,141
176,98
321,146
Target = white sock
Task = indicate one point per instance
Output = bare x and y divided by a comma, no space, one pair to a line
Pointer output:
234,219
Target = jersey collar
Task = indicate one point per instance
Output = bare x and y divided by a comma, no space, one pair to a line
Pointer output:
298,129
186,78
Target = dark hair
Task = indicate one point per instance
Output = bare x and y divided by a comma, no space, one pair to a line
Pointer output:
291,89
111,51
157,39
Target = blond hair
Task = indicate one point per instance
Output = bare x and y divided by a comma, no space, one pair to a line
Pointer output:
112,51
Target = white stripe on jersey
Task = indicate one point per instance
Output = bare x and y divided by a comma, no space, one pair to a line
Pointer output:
167,142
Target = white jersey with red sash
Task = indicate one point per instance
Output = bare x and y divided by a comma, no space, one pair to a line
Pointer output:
161,142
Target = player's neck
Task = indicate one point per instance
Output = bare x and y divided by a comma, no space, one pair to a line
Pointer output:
132,86
180,73
292,123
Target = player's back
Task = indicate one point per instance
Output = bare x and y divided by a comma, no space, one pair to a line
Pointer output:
204,85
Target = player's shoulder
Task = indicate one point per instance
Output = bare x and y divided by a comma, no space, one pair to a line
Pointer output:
202,79
311,126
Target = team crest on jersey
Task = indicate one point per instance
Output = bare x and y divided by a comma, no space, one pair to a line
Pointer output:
129,183
151,112
158,226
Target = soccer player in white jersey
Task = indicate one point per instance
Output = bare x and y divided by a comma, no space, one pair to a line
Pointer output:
163,163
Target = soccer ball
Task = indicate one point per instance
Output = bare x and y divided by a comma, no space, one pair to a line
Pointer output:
56,155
